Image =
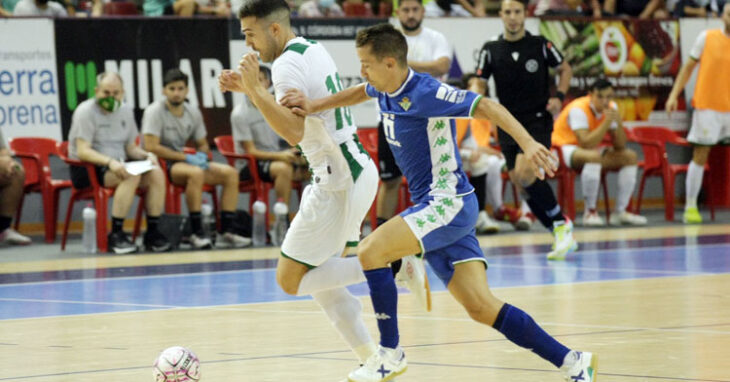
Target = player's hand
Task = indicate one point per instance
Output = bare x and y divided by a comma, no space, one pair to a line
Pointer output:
540,158
248,68
299,104
117,168
230,81
289,156
8,168
153,158
671,105
554,105
613,115
491,151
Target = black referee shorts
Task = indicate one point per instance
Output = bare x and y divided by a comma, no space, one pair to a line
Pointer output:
540,127
389,170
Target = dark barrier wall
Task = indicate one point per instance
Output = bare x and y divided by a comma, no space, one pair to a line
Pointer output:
142,49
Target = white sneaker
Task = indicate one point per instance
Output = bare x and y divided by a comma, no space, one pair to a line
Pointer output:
11,236
564,241
485,224
231,240
627,218
412,276
384,365
580,367
200,242
591,218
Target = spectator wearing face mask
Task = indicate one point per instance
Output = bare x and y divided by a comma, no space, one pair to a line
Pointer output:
320,8
39,8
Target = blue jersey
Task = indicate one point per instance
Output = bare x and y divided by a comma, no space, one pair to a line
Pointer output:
418,120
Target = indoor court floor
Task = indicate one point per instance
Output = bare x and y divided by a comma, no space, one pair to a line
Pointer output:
653,303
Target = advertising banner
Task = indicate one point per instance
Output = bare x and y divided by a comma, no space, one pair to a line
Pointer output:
141,50
640,57
28,79
338,37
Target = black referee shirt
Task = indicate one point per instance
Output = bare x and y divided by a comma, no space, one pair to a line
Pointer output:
520,70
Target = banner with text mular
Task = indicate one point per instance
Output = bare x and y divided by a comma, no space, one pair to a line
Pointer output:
141,51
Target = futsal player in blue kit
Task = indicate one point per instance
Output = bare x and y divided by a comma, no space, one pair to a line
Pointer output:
418,114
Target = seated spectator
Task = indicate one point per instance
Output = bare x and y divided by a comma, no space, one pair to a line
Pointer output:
643,9
39,8
567,8
579,131
168,124
212,7
103,132
276,162
320,8
185,8
455,8
697,8
12,179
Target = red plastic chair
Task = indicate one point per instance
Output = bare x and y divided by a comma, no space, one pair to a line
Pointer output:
174,192
98,194
35,154
653,141
120,8
352,9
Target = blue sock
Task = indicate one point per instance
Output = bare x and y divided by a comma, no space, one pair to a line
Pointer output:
521,329
384,295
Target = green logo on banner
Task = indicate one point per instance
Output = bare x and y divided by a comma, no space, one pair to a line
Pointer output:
80,82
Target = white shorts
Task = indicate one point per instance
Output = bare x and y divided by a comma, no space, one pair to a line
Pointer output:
568,150
328,221
709,127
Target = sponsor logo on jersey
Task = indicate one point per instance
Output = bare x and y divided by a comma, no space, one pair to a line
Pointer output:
450,94
531,65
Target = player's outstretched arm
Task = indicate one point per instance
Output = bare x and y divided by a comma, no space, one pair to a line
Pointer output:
303,106
538,155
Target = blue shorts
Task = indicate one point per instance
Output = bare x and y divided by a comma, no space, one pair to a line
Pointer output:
444,226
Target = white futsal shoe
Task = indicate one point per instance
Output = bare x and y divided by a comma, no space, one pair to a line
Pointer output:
384,365
580,367
412,275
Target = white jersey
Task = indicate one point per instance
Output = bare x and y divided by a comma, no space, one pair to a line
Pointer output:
331,147
429,45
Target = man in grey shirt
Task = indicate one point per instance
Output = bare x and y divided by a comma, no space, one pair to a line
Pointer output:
103,132
39,8
167,125
12,179
252,135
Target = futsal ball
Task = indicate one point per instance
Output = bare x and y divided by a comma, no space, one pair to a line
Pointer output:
176,364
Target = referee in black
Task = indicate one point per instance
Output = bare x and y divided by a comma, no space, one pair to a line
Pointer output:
520,64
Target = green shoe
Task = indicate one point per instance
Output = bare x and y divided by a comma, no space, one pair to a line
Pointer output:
692,216
564,243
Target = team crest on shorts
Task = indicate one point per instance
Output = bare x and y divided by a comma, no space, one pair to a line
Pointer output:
405,103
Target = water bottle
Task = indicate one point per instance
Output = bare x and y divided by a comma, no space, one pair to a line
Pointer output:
259,224
206,212
281,211
88,237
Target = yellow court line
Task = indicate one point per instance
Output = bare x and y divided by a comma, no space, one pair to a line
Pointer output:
211,256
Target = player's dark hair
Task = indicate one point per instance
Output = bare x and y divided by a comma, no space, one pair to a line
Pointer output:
262,8
384,41
174,75
600,84
266,71
523,2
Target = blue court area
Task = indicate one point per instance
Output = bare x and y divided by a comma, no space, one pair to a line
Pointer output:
213,284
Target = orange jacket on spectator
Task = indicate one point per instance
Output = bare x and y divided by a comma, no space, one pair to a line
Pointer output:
481,129
562,131
713,80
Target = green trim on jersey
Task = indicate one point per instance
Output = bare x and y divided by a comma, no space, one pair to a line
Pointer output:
474,105
309,266
355,167
352,244
297,47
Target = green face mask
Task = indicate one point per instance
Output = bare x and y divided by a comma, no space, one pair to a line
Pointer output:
109,104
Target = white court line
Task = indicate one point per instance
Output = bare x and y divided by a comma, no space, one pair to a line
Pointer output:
87,302
527,254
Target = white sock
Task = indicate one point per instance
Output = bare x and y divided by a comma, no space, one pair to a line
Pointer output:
345,314
334,273
590,179
693,183
626,185
524,207
570,359
494,181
